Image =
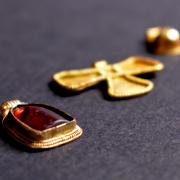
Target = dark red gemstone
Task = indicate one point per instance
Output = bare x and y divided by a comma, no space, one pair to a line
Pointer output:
37,117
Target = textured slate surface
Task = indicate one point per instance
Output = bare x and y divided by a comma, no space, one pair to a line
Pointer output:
127,139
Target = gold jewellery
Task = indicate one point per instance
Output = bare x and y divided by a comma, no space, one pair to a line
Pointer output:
37,125
121,77
163,40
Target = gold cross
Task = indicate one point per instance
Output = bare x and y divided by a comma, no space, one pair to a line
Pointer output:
121,77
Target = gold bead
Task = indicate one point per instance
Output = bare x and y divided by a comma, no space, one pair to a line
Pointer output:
163,40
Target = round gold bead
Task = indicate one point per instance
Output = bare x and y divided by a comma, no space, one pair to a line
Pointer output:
163,40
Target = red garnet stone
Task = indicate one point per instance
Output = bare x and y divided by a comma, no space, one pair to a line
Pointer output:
39,117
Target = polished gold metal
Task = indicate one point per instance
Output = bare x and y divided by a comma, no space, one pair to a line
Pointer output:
120,77
37,139
163,40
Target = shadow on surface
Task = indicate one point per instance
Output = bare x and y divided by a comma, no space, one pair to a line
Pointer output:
61,91
149,48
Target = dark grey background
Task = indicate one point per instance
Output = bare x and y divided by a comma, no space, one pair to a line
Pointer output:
130,139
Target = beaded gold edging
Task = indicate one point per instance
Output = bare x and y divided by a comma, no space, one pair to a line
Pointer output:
48,143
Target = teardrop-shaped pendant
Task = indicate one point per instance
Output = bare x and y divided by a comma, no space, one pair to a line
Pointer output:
37,125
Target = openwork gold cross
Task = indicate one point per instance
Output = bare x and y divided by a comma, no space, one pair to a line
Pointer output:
121,77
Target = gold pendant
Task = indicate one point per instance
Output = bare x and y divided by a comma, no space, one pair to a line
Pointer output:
37,125
121,77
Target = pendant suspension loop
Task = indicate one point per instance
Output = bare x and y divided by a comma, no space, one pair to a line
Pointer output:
6,106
